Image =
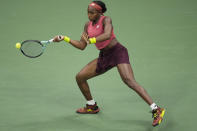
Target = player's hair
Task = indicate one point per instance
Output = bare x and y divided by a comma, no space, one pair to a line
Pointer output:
102,4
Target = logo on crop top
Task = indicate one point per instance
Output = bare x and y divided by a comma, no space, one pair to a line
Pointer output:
97,26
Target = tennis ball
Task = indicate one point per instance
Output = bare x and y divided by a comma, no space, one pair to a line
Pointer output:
18,45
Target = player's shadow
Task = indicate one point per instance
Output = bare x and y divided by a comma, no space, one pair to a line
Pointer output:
70,120
166,125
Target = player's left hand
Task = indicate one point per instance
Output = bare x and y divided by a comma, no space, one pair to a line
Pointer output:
86,37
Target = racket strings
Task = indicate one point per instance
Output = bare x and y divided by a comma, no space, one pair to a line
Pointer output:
32,48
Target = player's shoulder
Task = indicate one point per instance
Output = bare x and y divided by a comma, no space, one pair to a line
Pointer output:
107,19
87,22
86,26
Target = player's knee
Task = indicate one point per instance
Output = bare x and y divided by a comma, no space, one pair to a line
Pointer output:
126,80
79,77
130,82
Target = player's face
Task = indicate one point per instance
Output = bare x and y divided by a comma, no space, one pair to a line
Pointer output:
93,14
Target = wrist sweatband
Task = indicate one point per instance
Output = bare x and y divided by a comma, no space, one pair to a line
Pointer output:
67,39
92,40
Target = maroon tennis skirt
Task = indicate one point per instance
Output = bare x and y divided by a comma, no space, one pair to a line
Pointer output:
111,57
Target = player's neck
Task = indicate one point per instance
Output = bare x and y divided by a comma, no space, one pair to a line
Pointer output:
96,21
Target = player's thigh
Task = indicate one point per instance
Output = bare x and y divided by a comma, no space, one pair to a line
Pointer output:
126,72
89,70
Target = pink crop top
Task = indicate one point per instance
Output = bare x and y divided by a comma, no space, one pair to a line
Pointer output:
98,29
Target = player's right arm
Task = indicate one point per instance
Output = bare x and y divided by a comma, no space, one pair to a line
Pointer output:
80,44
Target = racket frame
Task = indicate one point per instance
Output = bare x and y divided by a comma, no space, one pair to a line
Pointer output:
42,43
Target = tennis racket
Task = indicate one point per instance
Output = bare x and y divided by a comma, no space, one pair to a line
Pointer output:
34,48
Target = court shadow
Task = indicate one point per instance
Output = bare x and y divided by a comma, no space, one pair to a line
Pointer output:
82,122
167,124
147,125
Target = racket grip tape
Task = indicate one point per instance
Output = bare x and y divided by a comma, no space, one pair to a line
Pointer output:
51,40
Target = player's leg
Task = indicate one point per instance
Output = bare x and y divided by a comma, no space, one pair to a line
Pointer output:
127,76
86,73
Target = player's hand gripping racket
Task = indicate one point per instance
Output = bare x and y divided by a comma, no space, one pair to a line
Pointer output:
34,48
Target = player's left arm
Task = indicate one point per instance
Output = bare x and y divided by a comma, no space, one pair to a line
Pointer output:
107,23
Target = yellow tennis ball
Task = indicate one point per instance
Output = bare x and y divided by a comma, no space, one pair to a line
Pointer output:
18,45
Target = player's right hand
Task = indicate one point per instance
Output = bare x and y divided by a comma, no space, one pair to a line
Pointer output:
58,38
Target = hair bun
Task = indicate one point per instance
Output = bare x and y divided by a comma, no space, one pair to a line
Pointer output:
102,4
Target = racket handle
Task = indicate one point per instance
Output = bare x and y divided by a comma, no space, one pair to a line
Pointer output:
47,42
51,40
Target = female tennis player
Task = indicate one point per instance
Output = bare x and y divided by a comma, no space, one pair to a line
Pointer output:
99,31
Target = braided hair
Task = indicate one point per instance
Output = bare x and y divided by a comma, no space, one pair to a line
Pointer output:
102,4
